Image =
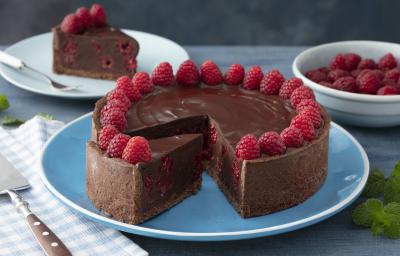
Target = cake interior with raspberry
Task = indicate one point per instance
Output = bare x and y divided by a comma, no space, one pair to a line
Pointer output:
264,139
85,45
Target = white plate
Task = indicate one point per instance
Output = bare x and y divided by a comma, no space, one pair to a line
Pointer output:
36,51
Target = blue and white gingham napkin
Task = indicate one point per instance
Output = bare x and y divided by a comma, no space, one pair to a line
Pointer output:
22,148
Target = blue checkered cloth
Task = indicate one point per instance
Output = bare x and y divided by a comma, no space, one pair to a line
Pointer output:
22,147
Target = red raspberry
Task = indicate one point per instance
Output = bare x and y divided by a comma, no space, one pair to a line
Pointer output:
366,64
324,70
72,24
236,171
188,74
247,148
83,14
272,82
347,83
119,95
234,75
142,81
137,150
379,73
326,84
336,74
368,83
289,86
338,62
106,135
271,144
354,73
305,125
210,73
98,15
393,74
388,90
253,78
117,144
389,82
301,93
352,60
308,103
292,137
314,115
125,85
163,75
316,75
114,105
114,117
363,72
387,62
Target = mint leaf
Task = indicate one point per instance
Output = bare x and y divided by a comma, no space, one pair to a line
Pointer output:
375,184
391,192
4,104
392,231
368,213
392,211
12,121
361,216
376,228
396,170
45,116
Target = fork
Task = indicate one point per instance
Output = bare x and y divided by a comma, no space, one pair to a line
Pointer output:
16,63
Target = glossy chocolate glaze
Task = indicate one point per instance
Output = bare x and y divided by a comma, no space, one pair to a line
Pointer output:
237,111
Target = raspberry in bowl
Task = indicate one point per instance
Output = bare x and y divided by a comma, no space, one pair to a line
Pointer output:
356,81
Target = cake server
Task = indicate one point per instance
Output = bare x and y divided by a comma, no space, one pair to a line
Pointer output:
16,63
10,181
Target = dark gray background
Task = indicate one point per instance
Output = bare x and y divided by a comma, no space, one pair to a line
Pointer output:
219,22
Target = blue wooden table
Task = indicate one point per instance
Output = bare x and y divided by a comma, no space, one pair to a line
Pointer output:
335,236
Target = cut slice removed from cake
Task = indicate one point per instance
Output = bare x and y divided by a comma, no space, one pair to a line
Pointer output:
135,193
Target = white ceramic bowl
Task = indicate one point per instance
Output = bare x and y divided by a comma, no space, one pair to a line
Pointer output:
345,107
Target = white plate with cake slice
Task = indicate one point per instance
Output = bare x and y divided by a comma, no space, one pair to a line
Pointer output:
36,52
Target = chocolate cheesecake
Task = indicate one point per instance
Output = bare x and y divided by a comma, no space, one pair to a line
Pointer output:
103,52
221,115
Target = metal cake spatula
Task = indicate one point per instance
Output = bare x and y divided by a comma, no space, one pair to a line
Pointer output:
10,181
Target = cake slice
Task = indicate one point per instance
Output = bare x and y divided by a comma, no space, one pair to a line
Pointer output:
94,50
135,193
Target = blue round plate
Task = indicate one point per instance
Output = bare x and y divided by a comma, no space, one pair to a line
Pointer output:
63,172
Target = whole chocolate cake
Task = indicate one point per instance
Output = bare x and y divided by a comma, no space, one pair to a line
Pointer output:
85,45
265,143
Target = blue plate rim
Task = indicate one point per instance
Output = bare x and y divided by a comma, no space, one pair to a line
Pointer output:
208,236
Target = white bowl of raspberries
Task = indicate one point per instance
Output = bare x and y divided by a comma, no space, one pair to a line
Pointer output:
358,82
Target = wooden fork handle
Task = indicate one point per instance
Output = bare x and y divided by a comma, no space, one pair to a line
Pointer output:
49,241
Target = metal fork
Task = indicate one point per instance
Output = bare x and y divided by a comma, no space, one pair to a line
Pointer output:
16,63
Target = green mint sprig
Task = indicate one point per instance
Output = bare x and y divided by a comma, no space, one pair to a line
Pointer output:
12,121
46,116
381,217
4,104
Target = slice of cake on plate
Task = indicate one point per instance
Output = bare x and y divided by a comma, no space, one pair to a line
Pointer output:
85,45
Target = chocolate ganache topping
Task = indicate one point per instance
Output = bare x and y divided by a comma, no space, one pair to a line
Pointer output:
237,111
